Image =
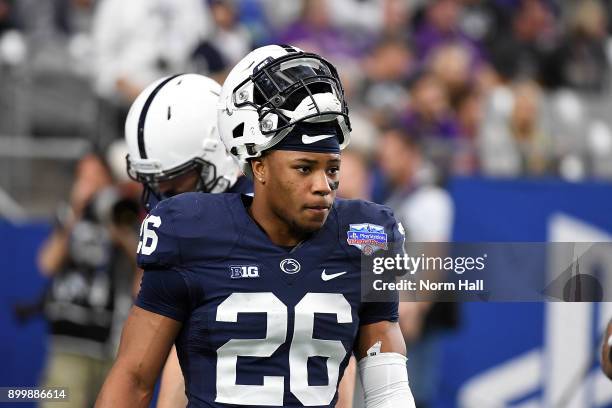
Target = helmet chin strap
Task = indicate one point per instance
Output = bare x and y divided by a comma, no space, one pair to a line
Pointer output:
150,189
146,195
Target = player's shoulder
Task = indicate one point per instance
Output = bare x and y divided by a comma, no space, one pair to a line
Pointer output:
366,226
354,210
188,228
188,213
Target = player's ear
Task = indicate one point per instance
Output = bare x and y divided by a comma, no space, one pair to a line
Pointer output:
258,167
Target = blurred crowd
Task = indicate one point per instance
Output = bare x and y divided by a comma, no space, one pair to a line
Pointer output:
507,88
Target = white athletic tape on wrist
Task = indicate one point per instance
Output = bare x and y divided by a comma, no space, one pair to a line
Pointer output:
385,381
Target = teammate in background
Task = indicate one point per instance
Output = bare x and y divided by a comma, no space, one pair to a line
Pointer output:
263,294
174,147
606,352
173,143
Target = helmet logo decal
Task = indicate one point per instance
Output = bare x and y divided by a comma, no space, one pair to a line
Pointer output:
238,130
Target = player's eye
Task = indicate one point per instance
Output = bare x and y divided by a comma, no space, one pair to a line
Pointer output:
333,171
303,169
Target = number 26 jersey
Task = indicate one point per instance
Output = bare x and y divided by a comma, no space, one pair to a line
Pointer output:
262,325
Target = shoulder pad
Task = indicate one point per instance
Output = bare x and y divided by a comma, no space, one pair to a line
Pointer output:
190,227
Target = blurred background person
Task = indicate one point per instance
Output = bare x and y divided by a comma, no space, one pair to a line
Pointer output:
515,139
136,43
88,256
438,24
424,208
581,61
388,67
315,31
227,43
524,49
426,211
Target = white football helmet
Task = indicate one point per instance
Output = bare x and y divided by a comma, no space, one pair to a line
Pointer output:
171,129
269,91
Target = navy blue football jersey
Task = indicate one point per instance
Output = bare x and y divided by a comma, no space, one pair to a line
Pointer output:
262,325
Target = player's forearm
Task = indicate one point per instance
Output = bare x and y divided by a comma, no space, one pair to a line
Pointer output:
124,390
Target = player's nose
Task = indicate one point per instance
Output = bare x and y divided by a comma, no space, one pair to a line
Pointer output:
321,183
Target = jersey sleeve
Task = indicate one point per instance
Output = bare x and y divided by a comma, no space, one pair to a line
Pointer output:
165,292
372,312
163,289
159,245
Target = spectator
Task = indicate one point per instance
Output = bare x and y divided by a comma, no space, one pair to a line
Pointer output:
314,31
581,61
430,114
450,63
358,16
440,26
388,67
137,42
281,14
365,19
470,115
525,54
515,140
87,255
480,20
426,211
228,42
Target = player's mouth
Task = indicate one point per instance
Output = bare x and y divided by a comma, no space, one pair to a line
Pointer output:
318,209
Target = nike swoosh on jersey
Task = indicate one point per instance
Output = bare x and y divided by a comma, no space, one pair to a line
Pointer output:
327,277
313,139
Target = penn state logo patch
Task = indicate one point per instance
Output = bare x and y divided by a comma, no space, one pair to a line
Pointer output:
290,266
369,238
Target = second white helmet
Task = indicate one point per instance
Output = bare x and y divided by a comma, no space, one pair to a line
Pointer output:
171,129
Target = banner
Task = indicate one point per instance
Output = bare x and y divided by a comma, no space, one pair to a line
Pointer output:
528,354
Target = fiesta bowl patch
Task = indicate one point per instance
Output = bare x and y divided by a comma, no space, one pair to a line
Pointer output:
369,238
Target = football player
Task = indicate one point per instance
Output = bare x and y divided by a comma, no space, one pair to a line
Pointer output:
174,147
263,294
173,143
